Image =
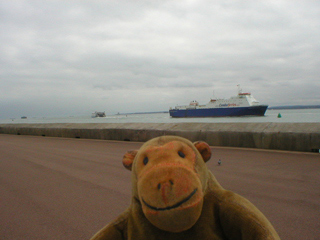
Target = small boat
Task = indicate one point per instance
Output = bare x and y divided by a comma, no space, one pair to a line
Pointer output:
244,104
98,114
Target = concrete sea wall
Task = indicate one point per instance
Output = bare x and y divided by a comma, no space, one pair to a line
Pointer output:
281,136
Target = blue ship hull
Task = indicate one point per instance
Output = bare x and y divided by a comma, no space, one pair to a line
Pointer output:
219,112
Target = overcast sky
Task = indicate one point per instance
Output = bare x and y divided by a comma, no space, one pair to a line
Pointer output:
63,58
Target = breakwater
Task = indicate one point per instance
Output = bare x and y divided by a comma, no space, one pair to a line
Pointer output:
280,136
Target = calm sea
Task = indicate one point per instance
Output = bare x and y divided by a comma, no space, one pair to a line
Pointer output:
296,115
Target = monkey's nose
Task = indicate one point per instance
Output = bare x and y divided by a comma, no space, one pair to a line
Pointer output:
167,183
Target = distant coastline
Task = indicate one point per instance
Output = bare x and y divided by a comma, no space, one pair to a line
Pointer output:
142,113
295,107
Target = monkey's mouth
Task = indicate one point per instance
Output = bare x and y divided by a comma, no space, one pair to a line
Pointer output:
172,206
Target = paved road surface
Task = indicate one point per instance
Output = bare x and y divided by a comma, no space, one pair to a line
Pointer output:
56,188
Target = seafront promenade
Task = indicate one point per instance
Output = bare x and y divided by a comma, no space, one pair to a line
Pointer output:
265,135
68,188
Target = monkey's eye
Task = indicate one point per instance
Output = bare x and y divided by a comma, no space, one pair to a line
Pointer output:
181,154
145,160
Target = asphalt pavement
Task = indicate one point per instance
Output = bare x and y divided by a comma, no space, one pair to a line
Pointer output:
60,188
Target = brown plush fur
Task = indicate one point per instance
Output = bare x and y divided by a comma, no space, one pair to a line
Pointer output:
175,196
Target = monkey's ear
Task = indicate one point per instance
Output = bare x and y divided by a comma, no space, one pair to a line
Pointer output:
128,158
204,150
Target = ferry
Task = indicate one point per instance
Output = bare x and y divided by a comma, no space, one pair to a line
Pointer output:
244,104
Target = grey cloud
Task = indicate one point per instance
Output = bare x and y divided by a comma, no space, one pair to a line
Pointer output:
95,50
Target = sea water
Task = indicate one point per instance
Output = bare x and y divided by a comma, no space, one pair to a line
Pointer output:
292,115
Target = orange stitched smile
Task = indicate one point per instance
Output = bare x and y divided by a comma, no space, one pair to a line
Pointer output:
174,205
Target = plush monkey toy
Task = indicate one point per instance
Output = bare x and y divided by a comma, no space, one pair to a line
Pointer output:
175,196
